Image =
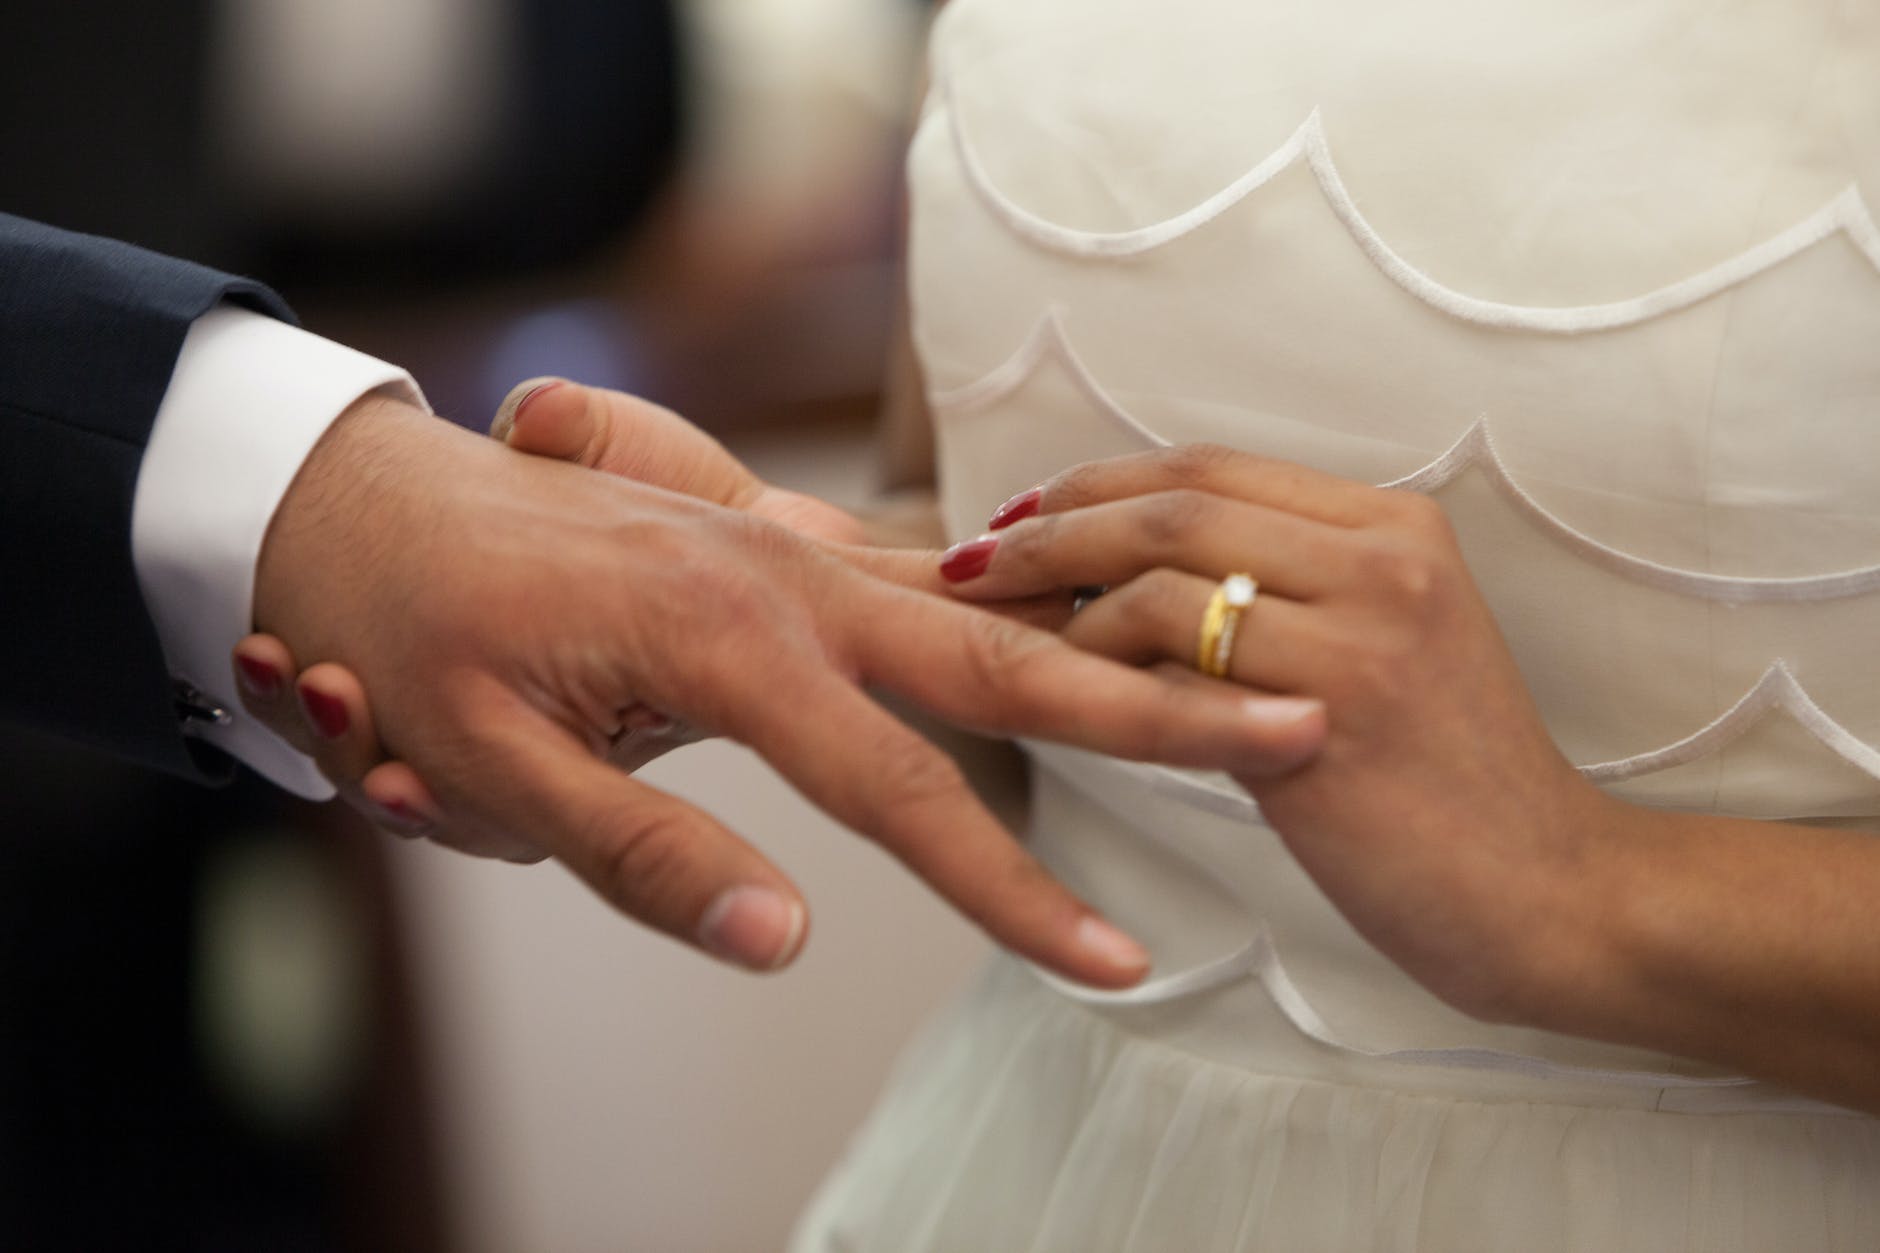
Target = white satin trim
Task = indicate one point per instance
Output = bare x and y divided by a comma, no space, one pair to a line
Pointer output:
1260,959
1846,213
1050,342
1477,448
1777,689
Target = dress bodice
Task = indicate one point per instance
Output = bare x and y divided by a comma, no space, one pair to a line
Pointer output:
1601,276
1611,294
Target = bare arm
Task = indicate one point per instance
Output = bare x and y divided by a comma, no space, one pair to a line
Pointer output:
1440,818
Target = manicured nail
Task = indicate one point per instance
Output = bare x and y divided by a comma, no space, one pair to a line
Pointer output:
1017,509
968,560
645,719
758,928
1279,711
1110,946
258,678
326,713
403,817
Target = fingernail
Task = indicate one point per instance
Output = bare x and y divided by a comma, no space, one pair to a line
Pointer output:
257,678
1112,947
518,399
1017,509
755,927
402,816
641,717
968,560
326,713
1277,711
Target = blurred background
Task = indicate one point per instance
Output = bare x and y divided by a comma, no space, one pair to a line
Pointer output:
229,1021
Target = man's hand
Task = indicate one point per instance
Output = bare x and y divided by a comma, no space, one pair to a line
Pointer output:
633,438
507,611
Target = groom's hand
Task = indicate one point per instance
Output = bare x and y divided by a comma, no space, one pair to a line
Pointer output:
505,610
633,438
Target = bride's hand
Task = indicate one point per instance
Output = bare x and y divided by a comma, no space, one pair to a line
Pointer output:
1439,817
324,710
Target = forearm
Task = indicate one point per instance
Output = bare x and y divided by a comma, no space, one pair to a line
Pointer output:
1751,945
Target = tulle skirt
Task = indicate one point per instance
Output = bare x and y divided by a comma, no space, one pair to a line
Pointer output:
1023,1122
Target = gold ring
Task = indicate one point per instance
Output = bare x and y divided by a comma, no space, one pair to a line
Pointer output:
1221,622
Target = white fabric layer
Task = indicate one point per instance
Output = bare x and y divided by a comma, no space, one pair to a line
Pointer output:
1025,1123
1599,276
248,400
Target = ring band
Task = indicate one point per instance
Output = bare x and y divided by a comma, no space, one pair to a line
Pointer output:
1220,622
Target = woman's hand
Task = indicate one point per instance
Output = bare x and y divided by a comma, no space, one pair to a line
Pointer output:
1439,817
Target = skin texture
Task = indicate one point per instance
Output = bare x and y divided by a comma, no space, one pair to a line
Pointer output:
1439,816
511,627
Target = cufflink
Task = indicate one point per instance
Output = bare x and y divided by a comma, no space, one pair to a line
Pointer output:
196,710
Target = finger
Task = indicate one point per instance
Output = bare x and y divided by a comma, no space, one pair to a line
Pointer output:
1210,468
870,771
264,670
919,570
343,738
395,798
560,428
999,676
626,436
656,858
1112,543
399,803
1157,618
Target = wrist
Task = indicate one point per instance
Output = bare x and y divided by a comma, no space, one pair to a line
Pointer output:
1584,958
325,532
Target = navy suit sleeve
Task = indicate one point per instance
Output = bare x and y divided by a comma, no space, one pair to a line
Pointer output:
90,330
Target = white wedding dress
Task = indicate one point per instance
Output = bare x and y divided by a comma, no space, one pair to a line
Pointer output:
1602,277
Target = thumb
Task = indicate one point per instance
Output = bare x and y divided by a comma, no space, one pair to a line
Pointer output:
654,857
622,435
808,516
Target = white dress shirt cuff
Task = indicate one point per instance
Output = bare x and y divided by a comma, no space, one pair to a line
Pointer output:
248,400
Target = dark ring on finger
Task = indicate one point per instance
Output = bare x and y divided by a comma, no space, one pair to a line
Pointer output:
1081,597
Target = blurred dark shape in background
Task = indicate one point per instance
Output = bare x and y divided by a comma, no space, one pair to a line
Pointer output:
116,121
205,1031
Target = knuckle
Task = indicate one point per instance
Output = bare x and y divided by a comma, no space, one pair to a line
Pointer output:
1406,576
1196,464
1032,543
999,651
1418,515
911,774
1172,518
1160,600
640,856
1074,488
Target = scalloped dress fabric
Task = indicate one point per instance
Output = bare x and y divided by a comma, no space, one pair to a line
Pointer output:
1602,277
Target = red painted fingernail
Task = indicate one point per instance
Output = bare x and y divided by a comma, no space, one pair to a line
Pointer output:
403,815
327,713
968,560
258,677
1017,509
